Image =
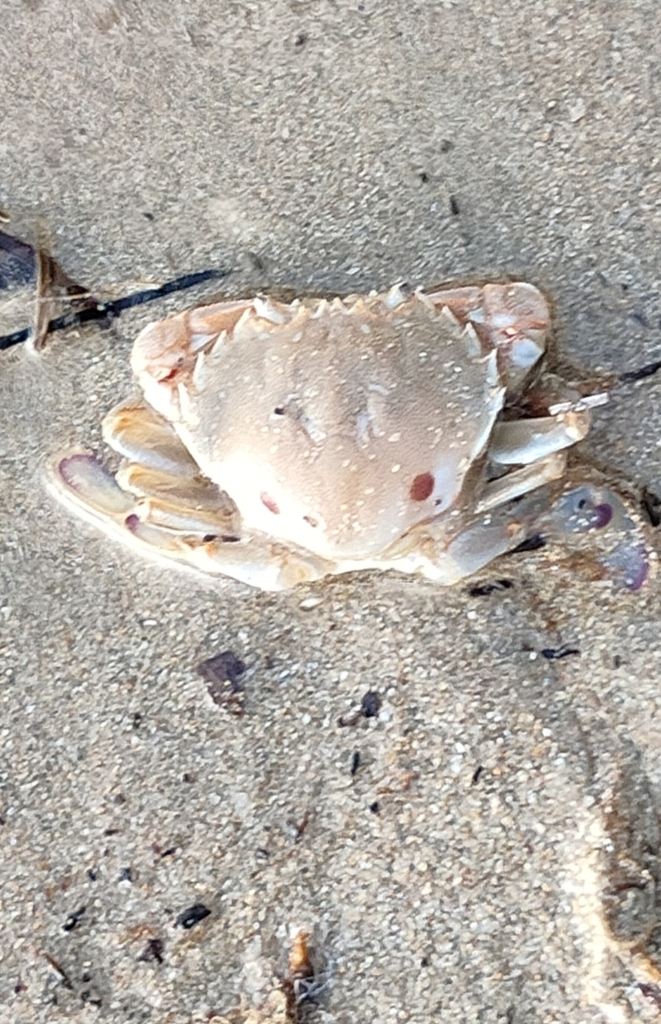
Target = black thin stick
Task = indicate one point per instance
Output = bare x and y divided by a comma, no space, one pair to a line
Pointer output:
644,371
109,310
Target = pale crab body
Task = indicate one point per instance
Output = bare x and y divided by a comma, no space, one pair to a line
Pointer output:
277,443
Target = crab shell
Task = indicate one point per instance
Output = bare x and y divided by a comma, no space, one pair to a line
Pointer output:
276,443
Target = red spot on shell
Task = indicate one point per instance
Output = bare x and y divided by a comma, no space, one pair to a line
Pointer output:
270,503
422,487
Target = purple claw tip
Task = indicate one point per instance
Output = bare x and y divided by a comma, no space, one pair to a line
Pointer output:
635,581
69,466
603,515
629,564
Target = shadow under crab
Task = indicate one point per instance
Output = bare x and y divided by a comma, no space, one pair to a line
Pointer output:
279,443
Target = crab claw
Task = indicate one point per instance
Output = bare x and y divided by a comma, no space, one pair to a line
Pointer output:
517,318
511,318
590,508
168,346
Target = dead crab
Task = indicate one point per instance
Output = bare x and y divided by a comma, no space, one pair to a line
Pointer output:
279,443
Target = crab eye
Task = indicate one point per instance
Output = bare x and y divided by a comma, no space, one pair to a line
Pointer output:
279,410
311,521
422,487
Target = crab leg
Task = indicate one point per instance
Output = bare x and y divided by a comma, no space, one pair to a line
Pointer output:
163,476
82,483
522,481
521,442
138,433
431,552
161,505
194,505
477,546
255,560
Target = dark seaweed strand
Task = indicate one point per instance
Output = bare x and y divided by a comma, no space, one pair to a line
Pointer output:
642,372
109,310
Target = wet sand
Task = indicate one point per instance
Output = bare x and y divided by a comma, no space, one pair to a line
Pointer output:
485,848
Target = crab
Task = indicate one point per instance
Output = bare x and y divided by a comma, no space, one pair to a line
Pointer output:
279,443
